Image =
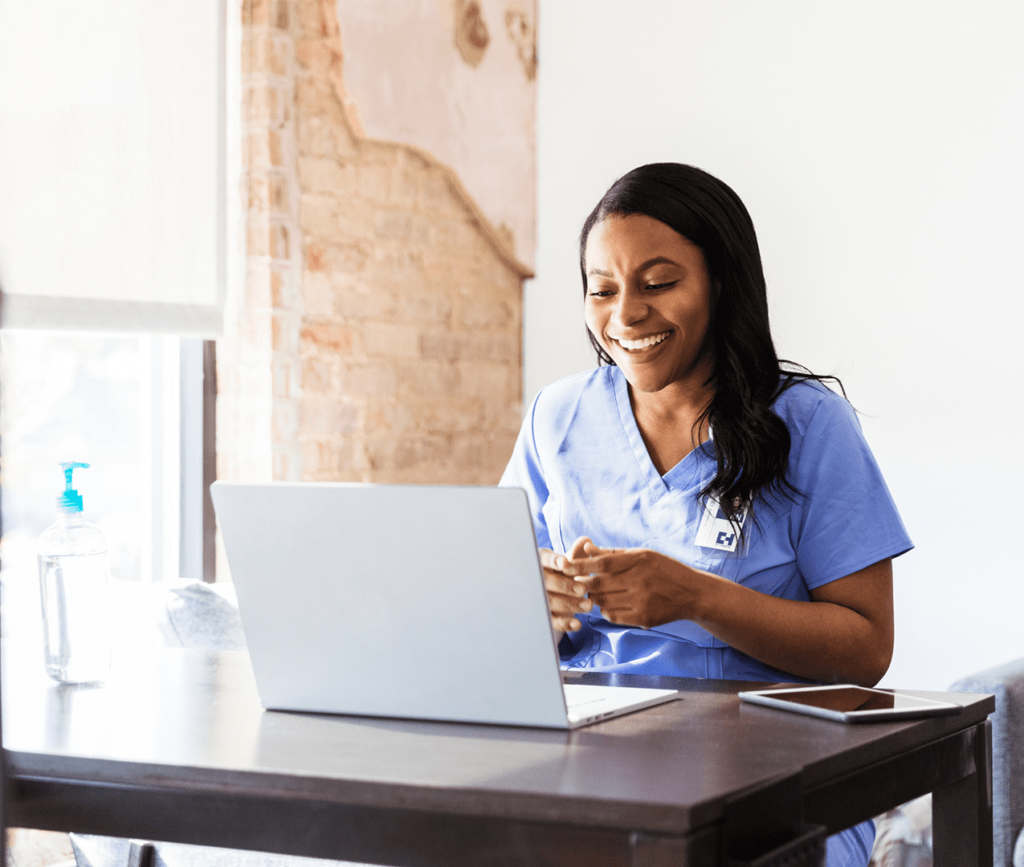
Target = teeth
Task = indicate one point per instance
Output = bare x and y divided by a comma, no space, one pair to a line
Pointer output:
643,342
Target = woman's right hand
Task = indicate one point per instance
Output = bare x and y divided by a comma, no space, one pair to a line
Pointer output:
567,597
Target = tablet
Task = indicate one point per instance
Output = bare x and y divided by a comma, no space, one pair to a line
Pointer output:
848,703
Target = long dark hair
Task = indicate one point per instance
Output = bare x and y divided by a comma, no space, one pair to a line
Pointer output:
751,442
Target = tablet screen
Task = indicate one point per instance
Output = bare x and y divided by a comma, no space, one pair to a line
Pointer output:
846,699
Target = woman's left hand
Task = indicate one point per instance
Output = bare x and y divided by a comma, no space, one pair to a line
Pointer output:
639,587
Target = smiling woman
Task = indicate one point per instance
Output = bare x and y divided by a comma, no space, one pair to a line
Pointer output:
703,509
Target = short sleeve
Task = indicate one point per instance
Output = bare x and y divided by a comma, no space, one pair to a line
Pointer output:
845,518
524,471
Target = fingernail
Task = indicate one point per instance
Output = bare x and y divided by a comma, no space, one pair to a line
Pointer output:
560,562
586,605
573,625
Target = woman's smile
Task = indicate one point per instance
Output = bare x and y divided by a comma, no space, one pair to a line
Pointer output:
638,345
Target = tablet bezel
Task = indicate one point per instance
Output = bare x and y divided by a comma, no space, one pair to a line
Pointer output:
775,697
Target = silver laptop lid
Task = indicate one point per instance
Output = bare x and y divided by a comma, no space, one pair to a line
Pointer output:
393,600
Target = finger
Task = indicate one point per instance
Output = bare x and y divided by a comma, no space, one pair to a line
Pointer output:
566,597
565,624
622,616
604,563
556,582
606,583
568,605
579,546
592,550
552,560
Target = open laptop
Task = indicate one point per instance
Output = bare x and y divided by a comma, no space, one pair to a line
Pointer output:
423,602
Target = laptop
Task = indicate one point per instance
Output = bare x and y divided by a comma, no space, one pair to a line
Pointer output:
407,601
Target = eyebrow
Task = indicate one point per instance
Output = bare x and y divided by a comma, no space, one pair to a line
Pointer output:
650,263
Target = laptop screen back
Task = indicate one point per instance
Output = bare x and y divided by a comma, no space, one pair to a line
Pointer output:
393,600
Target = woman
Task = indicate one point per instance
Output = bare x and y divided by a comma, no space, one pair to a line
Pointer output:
702,508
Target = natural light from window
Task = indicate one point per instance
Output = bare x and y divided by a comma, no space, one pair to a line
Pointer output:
114,402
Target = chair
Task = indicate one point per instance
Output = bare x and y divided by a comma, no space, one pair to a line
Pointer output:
1006,683
904,838
3,790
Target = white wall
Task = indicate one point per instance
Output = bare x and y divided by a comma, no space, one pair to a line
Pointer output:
880,150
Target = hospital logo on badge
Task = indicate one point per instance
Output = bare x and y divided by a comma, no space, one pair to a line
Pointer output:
716,530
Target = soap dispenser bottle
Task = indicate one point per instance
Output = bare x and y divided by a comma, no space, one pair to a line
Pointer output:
73,579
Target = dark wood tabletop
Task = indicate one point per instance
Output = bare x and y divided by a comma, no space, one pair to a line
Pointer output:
177,747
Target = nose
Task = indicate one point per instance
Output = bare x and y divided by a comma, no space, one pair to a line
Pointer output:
630,309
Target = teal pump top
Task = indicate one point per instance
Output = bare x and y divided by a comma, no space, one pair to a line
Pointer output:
70,500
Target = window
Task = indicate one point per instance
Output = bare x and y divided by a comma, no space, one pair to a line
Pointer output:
132,406
119,168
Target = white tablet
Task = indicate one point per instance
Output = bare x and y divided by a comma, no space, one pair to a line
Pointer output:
850,704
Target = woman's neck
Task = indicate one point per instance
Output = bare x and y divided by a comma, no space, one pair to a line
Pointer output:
667,421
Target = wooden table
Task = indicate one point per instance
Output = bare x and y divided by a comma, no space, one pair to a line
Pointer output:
177,748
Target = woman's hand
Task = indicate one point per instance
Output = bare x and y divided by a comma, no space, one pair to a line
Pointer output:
843,634
637,586
566,596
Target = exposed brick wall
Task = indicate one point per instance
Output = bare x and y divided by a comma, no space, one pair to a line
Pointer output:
379,338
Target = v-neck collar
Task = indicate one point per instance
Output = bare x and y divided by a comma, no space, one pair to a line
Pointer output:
683,475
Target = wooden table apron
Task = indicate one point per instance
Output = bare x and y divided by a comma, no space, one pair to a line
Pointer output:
177,748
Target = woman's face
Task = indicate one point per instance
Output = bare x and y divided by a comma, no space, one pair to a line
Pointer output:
648,302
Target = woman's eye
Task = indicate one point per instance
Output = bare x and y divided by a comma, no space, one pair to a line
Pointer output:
601,293
654,287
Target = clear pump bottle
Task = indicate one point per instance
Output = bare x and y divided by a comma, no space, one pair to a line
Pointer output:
73,579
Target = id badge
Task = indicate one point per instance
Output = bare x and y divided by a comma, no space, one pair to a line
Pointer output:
716,531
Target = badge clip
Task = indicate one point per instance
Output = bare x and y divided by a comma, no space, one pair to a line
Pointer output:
716,531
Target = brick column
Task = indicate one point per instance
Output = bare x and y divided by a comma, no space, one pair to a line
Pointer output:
258,368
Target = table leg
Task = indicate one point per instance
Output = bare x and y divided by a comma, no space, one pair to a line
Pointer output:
766,825
962,811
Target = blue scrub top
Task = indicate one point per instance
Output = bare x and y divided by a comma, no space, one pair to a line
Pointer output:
586,471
